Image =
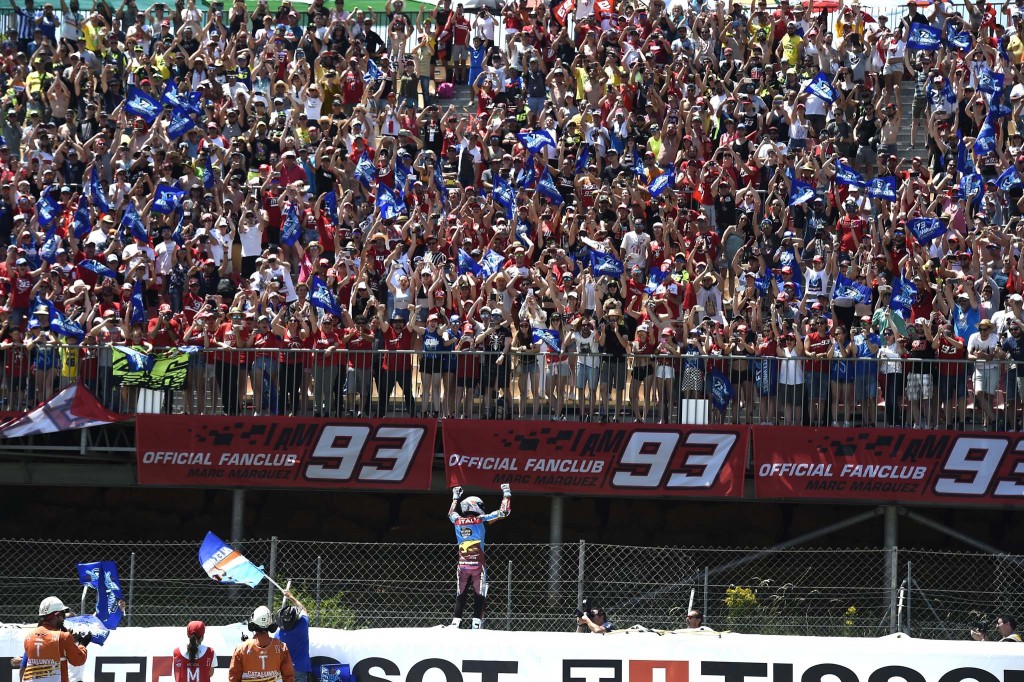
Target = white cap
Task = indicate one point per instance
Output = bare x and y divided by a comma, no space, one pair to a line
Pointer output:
262,617
51,605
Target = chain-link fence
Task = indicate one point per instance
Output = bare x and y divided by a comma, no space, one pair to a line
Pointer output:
834,592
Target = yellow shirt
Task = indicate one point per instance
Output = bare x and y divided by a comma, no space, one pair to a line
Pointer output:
89,35
1015,48
791,48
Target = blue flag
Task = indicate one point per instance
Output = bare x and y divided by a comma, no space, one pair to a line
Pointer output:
178,236
958,40
132,222
926,229
528,175
535,141
583,160
990,82
655,279
605,264
226,565
800,193
986,141
721,390
847,289
102,577
167,199
442,191
883,187
137,360
551,337
97,267
331,207
904,293
638,168
546,188
491,262
321,296
138,103
845,175
402,173
972,187
138,304
209,175
388,203
467,264
373,72
181,122
1008,179
188,102
924,37
96,193
91,625
505,195
336,672
821,87
365,171
290,231
48,251
664,181
80,222
964,164
47,208
996,107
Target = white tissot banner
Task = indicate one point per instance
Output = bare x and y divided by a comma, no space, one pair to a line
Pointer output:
443,655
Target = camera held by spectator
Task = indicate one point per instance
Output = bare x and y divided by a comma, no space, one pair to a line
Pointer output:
1006,630
590,618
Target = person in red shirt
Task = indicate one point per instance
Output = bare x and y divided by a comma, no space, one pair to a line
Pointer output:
457,30
817,344
358,340
290,170
851,228
327,360
22,281
267,339
351,87
164,331
197,334
952,376
196,664
396,364
294,358
231,336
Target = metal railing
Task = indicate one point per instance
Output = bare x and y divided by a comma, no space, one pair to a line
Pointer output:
659,387
828,592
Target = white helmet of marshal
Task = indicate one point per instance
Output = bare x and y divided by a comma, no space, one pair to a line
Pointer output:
473,505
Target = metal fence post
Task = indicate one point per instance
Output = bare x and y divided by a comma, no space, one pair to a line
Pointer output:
131,589
910,589
508,597
889,573
581,564
705,606
272,572
316,609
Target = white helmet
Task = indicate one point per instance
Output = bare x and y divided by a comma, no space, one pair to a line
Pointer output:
473,505
51,605
262,617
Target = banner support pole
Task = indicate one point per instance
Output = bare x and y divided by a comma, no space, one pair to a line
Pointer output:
891,537
555,540
131,589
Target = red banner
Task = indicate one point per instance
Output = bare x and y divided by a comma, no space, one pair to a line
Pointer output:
597,459
269,452
888,464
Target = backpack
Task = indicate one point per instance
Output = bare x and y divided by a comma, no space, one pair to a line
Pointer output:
445,91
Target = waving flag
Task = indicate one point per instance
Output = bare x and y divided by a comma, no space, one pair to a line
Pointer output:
990,82
655,279
331,207
583,160
138,304
47,209
48,251
91,625
605,264
845,175
800,193
550,337
986,141
181,122
442,191
132,222
926,229
225,565
80,222
972,187
178,236
468,265
664,181
209,174
64,325
142,105
402,173
99,198
102,577
959,40
847,289
290,230
373,72
365,172
491,262
996,107
387,202
505,195
904,293
1008,179
172,98
964,164
321,296
546,188
535,141
924,37
167,199
722,392
528,175
883,187
97,267
564,10
821,87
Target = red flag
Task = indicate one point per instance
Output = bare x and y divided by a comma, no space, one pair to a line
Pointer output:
604,7
73,408
563,10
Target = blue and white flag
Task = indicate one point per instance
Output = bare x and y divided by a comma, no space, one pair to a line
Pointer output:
468,265
904,293
138,103
138,304
638,168
821,87
491,262
80,222
365,171
336,672
226,565
181,122
535,141
583,160
656,278
528,175
926,229
442,191
97,267
550,337
847,289
331,207
48,251
972,187
102,577
47,209
664,181
373,72
290,231
845,175
959,40
131,222
402,173
986,141
722,392
1008,179
964,164
546,188
883,187
800,193
96,193
605,264
178,236
209,174
88,624
505,195
924,37
137,360
388,203
172,98
167,199
990,82
321,296
997,108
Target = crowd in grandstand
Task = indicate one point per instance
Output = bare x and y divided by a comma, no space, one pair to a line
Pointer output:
643,206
